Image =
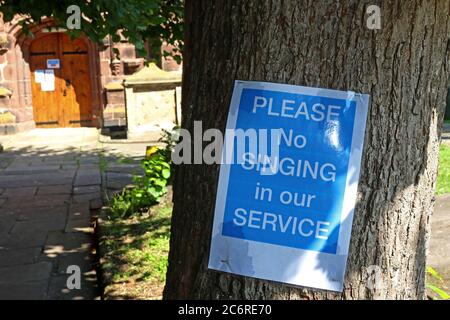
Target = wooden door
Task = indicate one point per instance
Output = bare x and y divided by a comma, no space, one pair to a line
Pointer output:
69,104
47,112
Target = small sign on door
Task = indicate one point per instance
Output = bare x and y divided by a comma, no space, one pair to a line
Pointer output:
48,83
53,64
39,76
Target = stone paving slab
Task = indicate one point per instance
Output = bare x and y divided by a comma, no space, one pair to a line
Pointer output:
43,214
54,224
95,204
26,273
4,163
11,181
88,178
82,259
12,257
69,167
19,192
59,243
55,190
20,169
6,224
116,180
58,288
24,240
38,201
24,290
86,189
88,168
86,162
125,168
79,225
83,198
446,134
79,211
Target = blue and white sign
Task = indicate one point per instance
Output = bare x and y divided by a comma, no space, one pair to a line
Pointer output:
287,215
53,64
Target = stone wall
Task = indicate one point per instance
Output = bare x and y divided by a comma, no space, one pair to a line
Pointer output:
114,114
151,100
15,79
150,110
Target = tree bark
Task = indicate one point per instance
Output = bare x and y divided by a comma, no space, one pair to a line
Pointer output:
405,69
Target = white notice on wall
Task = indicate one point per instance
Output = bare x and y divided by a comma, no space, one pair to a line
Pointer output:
48,84
39,76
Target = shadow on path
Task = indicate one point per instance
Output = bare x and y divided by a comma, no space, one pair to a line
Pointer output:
49,196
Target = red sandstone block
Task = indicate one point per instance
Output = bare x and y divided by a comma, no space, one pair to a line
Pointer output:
9,72
5,102
115,97
127,51
105,68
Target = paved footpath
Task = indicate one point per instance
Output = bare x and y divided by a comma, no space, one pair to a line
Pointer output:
50,188
446,134
439,256
439,253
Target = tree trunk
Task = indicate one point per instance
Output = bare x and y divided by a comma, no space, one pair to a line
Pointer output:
404,67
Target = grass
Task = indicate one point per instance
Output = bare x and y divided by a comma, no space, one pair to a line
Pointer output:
435,285
125,160
443,180
135,253
103,163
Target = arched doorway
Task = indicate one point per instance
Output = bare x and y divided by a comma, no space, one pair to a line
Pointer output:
60,81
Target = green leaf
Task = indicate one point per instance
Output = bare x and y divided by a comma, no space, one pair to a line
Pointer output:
166,173
444,295
160,183
431,271
138,19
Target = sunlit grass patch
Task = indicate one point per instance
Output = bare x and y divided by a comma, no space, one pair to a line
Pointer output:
135,253
443,180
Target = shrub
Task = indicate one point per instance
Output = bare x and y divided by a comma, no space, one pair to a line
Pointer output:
148,189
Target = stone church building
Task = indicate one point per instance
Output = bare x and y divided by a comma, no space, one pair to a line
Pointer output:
51,81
